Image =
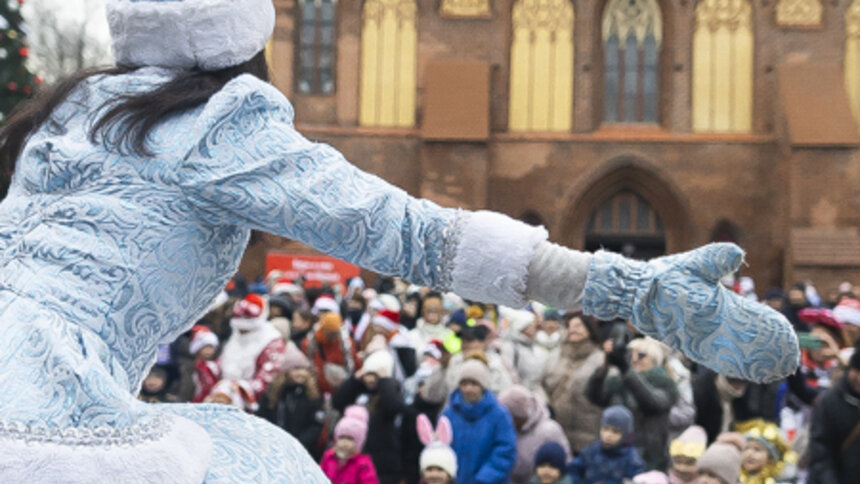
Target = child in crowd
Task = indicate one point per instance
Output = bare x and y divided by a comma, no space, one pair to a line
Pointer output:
344,463
720,464
293,402
612,458
203,346
438,461
685,451
550,464
154,388
766,458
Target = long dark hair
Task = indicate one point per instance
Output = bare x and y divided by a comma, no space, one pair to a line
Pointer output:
138,113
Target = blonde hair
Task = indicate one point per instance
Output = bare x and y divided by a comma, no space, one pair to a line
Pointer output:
650,347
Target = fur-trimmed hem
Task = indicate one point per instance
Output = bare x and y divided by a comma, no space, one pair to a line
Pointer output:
181,456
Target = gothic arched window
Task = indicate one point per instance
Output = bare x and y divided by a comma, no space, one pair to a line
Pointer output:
632,37
316,46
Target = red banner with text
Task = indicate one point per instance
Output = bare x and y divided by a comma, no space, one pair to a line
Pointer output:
316,269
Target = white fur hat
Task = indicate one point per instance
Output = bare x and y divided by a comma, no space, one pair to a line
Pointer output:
437,451
207,34
380,363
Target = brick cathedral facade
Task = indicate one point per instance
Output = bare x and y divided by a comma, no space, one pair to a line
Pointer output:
786,188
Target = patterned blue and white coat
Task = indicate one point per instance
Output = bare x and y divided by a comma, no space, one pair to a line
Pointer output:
105,255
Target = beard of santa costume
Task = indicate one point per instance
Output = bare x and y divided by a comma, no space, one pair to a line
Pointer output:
252,355
134,193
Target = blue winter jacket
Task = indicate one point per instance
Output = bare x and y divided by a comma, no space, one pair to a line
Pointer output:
484,439
605,466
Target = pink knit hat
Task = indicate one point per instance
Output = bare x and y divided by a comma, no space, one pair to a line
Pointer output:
353,425
519,401
294,358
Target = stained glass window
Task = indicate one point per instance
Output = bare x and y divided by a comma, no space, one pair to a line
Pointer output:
632,37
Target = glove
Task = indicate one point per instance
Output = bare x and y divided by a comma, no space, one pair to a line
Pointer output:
618,358
678,300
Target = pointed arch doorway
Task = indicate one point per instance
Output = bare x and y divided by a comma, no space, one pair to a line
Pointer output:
626,223
628,209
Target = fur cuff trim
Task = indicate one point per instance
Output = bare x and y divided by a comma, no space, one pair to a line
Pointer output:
181,456
492,258
209,34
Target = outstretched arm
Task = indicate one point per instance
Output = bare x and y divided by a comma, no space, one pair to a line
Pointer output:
251,168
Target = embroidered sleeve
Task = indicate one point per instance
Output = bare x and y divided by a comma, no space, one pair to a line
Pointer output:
251,168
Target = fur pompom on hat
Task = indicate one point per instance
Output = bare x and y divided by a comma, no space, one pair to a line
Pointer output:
186,34
475,371
353,425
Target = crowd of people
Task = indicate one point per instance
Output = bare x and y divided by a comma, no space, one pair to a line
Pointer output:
401,384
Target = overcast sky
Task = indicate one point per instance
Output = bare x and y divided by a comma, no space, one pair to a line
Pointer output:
71,14
77,9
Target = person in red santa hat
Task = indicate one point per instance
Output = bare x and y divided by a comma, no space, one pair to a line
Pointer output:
252,356
204,345
385,328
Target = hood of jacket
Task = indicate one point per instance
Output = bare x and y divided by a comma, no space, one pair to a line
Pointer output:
473,411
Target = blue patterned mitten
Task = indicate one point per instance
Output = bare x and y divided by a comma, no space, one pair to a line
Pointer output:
679,300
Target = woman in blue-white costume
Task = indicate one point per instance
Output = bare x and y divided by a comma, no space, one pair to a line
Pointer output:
133,196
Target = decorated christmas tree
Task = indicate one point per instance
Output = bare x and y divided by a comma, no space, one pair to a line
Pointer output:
16,82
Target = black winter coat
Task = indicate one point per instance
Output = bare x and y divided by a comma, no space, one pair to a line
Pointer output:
758,401
833,420
384,434
298,414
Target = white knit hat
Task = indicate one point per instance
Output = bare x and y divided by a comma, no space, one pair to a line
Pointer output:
207,34
441,456
381,363
201,339
437,451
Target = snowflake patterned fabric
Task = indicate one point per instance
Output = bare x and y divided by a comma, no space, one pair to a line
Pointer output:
105,255
678,300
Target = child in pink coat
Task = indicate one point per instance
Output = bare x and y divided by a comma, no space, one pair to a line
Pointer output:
344,463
